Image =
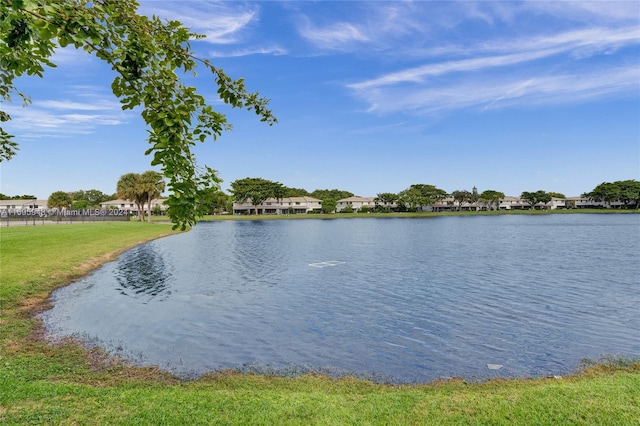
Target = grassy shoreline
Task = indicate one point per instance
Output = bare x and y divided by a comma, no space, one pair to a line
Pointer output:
65,383
416,215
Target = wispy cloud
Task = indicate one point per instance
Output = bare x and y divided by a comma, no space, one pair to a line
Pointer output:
99,105
221,22
71,55
418,74
585,11
337,36
369,26
272,51
504,91
578,43
64,117
410,28
581,43
498,73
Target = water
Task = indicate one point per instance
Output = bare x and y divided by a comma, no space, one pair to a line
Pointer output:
407,300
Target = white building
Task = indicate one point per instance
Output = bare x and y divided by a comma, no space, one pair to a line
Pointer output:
130,206
23,204
287,205
356,203
587,203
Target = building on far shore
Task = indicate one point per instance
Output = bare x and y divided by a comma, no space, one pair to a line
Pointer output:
301,205
23,204
287,205
130,206
356,203
586,203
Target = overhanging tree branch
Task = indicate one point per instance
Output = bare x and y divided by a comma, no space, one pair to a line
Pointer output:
147,55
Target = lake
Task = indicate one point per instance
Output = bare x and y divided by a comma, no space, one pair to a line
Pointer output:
391,299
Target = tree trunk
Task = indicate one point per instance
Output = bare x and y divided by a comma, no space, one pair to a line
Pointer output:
149,201
140,212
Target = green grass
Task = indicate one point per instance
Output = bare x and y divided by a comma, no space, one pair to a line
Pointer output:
36,259
209,218
64,383
408,215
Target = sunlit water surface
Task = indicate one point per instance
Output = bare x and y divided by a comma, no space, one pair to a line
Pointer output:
406,300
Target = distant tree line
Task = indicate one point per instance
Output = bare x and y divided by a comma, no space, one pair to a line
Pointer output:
78,199
142,188
259,190
418,196
624,191
17,197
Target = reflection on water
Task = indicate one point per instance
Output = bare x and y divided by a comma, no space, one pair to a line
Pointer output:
255,254
142,273
403,300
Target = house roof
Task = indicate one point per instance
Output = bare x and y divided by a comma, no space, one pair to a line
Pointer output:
356,199
116,202
121,201
286,200
21,203
578,198
299,199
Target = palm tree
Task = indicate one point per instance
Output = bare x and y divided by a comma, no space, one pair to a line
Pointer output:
128,188
151,183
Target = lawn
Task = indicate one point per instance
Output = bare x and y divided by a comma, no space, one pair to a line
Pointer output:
64,383
409,214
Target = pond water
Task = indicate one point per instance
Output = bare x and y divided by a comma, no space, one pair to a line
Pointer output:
395,300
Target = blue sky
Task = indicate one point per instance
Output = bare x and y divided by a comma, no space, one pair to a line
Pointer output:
371,97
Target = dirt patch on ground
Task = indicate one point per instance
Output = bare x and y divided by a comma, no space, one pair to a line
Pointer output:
35,305
97,262
108,369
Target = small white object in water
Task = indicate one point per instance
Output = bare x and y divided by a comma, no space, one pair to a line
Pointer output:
494,366
326,263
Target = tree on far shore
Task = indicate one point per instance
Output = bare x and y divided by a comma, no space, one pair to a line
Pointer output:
257,190
17,197
89,198
152,184
536,197
331,194
557,195
491,197
330,197
329,205
386,198
129,188
421,195
625,191
59,200
296,192
461,196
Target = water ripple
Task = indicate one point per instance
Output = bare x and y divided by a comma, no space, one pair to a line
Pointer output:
142,273
410,300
